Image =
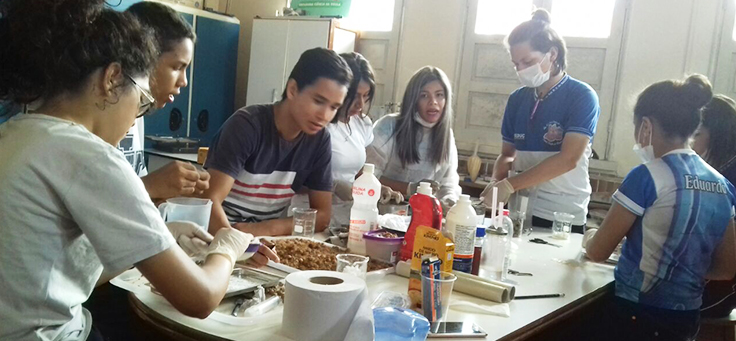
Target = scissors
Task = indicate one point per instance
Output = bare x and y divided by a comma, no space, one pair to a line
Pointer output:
542,241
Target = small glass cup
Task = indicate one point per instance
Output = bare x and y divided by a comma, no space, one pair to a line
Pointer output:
436,296
353,264
562,225
304,221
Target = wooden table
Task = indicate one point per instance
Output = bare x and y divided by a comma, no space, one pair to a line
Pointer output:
555,270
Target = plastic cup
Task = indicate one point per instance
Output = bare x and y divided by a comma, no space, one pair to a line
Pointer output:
436,296
194,210
304,221
356,265
562,226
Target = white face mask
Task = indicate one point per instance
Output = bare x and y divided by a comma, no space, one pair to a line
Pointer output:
645,154
533,76
422,122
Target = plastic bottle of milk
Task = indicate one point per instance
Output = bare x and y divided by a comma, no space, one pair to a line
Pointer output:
461,224
364,214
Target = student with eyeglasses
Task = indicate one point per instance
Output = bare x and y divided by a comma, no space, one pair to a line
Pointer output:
73,212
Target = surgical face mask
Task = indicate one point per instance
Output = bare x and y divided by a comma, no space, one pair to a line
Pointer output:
422,122
645,154
533,76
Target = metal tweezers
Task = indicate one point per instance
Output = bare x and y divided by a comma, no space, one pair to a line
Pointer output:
542,241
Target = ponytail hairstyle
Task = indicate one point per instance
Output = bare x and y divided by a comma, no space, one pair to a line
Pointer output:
362,71
675,105
719,117
541,37
51,47
408,132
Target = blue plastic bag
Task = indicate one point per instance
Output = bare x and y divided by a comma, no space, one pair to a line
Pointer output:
397,324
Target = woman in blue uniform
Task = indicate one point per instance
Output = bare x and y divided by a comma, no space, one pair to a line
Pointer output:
676,212
547,128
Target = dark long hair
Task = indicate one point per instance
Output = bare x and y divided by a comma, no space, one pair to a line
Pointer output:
362,71
408,132
719,117
541,36
168,26
51,47
675,104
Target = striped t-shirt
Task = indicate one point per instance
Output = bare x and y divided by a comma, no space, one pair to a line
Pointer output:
683,207
267,169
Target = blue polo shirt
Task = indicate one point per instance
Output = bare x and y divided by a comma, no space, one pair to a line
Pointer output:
536,128
683,207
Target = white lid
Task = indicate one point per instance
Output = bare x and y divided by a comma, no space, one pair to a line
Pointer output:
425,188
464,198
368,168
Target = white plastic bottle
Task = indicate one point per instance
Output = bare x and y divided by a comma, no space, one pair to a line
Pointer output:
364,214
461,224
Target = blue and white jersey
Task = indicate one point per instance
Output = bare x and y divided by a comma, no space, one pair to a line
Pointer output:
536,128
683,207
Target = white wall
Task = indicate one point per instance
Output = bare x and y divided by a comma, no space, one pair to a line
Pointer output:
665,39
431,35
245,11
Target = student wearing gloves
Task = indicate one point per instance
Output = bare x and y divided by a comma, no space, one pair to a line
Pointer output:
77,206
417,144
547,129
676,213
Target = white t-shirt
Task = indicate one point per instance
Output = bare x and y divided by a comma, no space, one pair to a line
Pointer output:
132,147
71,204
348,158
381,153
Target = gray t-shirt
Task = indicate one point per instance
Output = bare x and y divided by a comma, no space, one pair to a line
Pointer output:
70,205
267,169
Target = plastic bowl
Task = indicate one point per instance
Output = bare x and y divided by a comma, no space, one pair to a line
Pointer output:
382,248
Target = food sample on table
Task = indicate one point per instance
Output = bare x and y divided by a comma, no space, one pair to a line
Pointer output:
386,234
304,254
277,290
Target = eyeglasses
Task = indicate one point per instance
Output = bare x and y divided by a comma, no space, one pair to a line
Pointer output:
146,106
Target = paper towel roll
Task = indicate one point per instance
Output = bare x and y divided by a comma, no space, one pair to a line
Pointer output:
320,305
475,286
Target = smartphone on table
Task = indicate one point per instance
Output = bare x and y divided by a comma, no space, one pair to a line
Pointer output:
455,329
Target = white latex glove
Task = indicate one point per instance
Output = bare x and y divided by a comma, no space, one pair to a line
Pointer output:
447,203
588,236
192,238
230,242
504,192
343,190
388,195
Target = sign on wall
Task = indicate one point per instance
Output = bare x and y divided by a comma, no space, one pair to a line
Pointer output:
316,8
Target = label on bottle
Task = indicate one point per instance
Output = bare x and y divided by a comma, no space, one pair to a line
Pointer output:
464,247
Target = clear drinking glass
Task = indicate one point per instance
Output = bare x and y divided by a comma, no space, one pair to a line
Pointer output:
436,296
562,225
304,221
353,264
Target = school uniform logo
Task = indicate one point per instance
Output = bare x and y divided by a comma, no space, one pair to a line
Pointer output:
553,133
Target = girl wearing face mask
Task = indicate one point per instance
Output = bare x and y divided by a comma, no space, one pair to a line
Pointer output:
417,144
715,142
676,213
547,129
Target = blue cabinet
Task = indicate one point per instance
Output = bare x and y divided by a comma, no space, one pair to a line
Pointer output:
209,98
213,81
